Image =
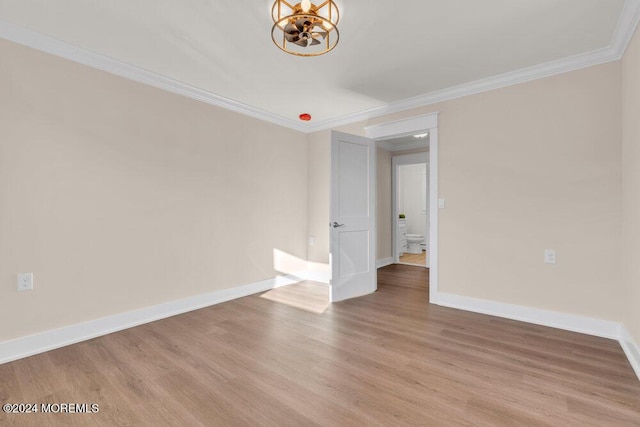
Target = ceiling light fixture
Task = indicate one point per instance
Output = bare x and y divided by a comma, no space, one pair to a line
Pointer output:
420,135
305,29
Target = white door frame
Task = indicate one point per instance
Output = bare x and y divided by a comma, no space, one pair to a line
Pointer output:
412,126
407,159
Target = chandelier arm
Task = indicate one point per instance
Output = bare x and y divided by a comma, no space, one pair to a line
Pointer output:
290,6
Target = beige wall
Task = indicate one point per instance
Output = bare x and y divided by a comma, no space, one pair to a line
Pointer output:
120,196
319,194
631,183
134,196
526,168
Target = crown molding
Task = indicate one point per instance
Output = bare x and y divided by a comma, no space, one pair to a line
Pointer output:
626,26
53,46
625,29
524,75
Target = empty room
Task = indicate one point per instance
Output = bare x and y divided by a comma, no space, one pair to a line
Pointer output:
329,213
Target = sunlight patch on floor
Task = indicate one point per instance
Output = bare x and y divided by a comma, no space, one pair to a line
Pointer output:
308,296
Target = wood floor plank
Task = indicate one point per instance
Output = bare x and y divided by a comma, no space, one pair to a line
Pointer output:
287,357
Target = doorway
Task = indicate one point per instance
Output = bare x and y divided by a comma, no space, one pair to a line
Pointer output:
410,207
416,127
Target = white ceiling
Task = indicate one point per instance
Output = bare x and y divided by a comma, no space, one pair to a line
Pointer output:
388,51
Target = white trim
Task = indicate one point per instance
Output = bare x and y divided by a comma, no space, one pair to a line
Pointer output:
554,319
101,62
403,127
320,276
631,349
629,18
626,27
397,128
56,338
317,272
419,143
434,213
384,262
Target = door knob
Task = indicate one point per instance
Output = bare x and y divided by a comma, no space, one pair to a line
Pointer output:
336,225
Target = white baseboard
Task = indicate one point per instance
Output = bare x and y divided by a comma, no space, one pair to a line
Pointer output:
316,272
49,340
384,262
553,319
38,343
631,349
316,276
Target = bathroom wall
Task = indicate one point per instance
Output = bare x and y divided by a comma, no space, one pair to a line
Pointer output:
119,196
411,196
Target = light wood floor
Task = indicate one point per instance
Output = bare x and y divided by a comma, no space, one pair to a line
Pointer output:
309,296
420,259
384,359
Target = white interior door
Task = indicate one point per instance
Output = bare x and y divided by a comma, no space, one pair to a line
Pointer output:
353,240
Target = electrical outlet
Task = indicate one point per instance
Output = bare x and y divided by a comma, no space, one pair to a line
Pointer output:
312,241
549,256
25,281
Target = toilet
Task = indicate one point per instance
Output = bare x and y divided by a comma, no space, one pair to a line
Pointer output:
414,241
